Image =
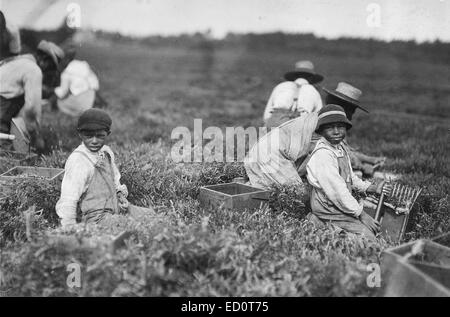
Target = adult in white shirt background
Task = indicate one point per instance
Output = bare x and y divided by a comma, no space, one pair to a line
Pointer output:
78,88
294,96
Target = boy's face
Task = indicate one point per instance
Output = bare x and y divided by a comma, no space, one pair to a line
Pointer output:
94,139
334,132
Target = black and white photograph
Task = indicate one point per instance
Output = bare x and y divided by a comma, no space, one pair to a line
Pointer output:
224,154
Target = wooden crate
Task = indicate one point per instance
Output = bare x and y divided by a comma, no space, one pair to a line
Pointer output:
23,172
443,239
393,225
427,274
233,196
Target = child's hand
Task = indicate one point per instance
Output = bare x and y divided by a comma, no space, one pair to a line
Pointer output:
379,187
370,223
380,160
387,188
123,202
123,189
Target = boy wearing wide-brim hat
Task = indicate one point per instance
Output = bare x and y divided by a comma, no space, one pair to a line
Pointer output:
91,183
294,96
348,97
330,174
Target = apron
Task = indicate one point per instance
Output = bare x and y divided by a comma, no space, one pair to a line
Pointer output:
100,198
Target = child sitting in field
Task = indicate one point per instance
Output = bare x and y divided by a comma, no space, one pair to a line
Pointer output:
330,174
91,182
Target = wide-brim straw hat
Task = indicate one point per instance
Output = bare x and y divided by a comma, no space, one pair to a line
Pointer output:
304,69
332,114
347,93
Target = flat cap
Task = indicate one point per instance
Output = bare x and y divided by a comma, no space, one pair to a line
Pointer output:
94,119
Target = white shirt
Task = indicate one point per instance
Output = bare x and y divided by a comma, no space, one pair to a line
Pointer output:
271,160
77,177
284,94
22,76
323,175
77,78
15,45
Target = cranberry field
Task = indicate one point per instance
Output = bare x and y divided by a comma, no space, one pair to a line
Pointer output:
155,85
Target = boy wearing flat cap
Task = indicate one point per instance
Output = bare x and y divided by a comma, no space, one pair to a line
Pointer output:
91,181
330,174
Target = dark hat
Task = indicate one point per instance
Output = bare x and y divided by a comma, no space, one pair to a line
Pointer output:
304,69
51,49
332,114
94,119
347,93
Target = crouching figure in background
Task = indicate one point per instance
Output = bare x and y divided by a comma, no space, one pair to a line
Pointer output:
91,183
329,172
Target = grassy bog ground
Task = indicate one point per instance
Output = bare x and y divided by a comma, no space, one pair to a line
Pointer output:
188,250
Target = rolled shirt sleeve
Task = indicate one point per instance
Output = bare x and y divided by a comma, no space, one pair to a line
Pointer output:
63,90
323,174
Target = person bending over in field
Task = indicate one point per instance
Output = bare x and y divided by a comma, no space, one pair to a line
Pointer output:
294,96
10,43
22,79
280,156
347,97
78,89
330,174
91,183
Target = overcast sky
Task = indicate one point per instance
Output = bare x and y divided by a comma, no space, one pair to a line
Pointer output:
421,20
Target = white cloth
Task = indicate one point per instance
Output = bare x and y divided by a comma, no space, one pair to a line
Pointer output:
15,45
323,175
297,96
75,105
272,159
78,173
77,78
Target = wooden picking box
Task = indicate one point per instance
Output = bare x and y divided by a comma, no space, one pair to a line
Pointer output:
9,178
393,225
425,274
443,239
233,196
19,172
